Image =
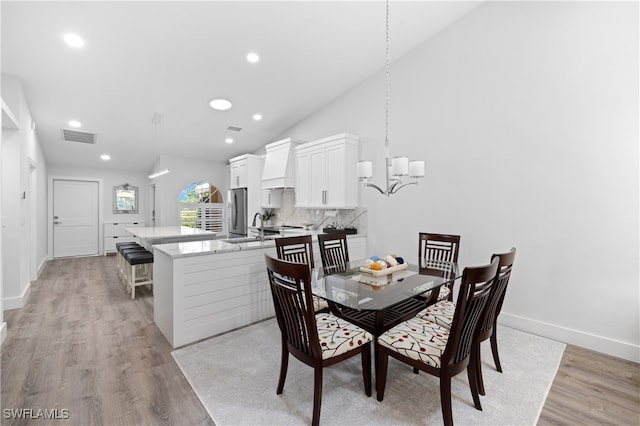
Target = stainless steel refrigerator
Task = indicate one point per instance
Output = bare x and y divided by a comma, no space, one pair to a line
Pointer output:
238,213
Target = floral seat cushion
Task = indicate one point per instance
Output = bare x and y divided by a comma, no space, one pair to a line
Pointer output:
418,339
440,313
442,295
338,336
319,304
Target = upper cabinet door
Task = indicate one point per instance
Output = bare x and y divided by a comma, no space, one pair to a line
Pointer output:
326,173
239,174
318,185
303,178
271,199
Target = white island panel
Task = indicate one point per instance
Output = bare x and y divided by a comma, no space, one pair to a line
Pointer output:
212,294
202,289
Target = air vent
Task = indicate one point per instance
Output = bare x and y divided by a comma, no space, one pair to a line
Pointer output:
234,128
70,135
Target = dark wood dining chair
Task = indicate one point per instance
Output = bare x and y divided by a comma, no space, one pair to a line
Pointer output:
296,249
334,252
299,250
436,350
442,314
316,339
335,258
436,252
487,328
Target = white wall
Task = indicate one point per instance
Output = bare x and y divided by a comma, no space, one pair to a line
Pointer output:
109,179
526,114
184,172
21,192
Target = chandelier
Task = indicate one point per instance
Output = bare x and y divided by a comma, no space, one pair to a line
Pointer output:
396,167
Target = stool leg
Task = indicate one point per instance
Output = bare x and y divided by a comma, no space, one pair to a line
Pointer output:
133,281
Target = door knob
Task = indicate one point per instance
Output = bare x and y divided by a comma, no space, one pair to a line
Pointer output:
57,222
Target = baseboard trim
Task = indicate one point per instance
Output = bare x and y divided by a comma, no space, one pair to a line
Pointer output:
574,337
3,332
18,301
41,267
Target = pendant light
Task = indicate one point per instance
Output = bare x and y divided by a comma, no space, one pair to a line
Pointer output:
396,167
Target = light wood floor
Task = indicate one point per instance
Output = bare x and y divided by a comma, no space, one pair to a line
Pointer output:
591,388
82,344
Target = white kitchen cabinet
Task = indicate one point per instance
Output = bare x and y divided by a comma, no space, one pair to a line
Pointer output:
239,173
114,233
326,173
271,199
245,171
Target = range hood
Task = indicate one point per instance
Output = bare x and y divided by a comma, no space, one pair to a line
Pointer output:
278,171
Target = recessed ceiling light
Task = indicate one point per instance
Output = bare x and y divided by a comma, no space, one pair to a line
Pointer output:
257,117
253,57
220,104
74,40
105,157
75,123
228,140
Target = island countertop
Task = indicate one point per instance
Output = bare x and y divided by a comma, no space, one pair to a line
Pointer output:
156,232
198,248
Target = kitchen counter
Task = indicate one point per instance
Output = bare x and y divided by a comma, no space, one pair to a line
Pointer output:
204,288
151,235
197,248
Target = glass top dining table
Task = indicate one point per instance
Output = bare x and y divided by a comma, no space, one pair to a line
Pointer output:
360,290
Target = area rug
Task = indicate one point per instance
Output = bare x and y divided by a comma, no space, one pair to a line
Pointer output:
235,376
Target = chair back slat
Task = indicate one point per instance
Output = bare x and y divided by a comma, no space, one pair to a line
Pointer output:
436,255
334,252
494,305
295,249
437,248
290,285
475,288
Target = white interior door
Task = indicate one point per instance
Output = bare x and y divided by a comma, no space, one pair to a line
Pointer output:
75,218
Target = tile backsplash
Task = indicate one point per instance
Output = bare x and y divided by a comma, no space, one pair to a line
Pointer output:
287,214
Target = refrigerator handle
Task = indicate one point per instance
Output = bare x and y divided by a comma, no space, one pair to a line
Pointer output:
234,209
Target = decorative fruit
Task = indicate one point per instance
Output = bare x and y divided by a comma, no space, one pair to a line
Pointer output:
375,266
399,260
391,261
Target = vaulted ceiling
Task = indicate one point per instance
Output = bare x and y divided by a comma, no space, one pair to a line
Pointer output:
167,60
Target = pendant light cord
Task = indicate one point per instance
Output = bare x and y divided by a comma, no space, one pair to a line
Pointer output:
386,77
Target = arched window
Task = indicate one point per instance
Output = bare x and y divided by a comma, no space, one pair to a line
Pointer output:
201,206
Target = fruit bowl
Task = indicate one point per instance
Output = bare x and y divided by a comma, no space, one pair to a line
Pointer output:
376,267
386,271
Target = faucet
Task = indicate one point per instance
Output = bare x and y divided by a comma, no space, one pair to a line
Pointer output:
258,215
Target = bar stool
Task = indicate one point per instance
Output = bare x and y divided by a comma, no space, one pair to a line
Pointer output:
120,258
122,263
139,269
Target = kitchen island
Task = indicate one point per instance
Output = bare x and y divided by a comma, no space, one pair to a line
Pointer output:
204,288
149,236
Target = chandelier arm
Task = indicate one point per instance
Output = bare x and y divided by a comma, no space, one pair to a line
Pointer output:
371,185
395,188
